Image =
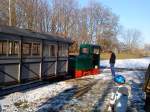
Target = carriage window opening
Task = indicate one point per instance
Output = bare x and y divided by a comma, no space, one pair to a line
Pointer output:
16,48
46,50
52,50
63,50
26,49
13,48
36,49
60,50
3,47
85,50
10,47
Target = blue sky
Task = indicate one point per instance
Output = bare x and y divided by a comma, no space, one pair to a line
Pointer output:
132,14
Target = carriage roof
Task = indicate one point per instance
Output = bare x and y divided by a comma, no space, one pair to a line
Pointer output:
28,33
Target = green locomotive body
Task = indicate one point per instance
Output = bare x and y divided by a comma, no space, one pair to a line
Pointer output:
87,62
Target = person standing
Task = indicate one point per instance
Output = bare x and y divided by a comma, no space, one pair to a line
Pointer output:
112,62
119,96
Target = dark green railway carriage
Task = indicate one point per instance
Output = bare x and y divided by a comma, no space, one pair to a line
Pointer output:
87,62
27,56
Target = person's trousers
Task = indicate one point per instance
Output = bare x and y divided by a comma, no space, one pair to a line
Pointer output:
112,69
121,104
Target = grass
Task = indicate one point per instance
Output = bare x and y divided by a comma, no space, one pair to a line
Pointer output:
123,55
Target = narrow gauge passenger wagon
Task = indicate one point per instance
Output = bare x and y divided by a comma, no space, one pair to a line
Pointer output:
28,56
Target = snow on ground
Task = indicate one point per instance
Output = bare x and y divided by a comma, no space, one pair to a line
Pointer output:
59,95
135,79
128,63
10,102
35,99
134,82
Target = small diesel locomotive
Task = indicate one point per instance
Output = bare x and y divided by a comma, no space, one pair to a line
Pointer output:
87,62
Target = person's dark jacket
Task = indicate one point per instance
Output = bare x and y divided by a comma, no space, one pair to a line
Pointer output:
112,58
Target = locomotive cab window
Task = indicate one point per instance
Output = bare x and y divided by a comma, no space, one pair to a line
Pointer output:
96,51
85,50
3,47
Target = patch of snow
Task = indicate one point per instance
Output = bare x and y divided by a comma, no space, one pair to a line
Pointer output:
135,80
35,95
98,76
128,63
54,96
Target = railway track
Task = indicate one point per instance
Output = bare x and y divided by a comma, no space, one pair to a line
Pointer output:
27,86
84,89
79,92
86,82
22,87
33,85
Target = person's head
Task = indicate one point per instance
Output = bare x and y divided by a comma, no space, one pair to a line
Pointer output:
119,79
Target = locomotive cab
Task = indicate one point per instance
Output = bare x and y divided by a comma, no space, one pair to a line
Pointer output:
87,62
93,51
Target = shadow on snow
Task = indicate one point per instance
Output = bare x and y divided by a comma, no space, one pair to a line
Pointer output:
56,103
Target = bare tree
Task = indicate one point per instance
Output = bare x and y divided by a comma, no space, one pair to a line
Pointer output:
83,27
62,17
147,47
33,14
103,25
93,23
4,11
132,38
